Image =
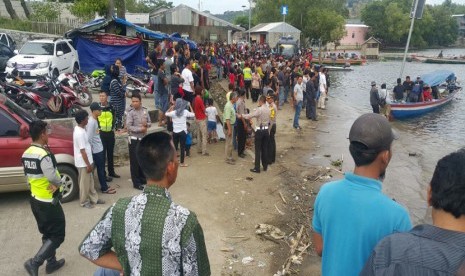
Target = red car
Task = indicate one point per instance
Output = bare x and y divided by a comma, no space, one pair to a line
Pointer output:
15,139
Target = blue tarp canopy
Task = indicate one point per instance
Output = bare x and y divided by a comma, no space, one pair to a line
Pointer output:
437,77
151,34
94,55
177,37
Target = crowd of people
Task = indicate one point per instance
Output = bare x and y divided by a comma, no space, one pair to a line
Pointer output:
148,234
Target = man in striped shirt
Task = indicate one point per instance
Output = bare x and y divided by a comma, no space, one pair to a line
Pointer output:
148,234
437,249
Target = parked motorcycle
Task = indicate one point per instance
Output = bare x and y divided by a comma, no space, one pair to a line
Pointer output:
47,98
77,82
97,78
141,82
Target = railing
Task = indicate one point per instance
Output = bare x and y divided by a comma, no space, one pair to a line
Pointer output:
55,27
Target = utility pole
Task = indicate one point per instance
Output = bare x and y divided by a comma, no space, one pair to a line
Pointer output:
250,15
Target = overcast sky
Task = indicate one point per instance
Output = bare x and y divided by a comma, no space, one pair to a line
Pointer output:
220,6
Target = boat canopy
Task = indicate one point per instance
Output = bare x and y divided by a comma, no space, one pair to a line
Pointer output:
438,77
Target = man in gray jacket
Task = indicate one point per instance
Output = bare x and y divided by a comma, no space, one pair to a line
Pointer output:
374,97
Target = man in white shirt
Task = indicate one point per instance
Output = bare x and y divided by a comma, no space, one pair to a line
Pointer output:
84,163
323,89
188,85
298,101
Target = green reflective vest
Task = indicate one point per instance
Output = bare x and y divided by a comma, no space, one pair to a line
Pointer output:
105,121
35,177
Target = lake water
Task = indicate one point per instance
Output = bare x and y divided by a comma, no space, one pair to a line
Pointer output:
429,137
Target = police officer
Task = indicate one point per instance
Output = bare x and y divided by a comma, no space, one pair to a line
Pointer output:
42,175
262,135
272,143
107,125
137,122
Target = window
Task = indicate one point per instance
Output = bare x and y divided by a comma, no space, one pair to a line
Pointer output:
66,49
59,48
5,51
37,48
3,39
372,45
8,126
353,35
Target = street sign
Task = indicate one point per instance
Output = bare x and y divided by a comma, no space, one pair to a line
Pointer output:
420,7
284,9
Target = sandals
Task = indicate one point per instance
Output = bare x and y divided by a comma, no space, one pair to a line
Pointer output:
109,191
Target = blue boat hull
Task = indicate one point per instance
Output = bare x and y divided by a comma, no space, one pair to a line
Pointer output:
409,110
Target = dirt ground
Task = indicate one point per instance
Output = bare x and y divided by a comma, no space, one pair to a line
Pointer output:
282,197
229,201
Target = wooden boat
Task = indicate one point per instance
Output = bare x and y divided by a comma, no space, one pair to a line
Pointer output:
437,78
342,61
445,60
338,68
437,60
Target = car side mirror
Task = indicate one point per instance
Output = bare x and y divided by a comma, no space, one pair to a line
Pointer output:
59,53
24,132
16,52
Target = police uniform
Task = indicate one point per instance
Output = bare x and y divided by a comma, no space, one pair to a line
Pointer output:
106,124
272,141
40,167
135,120
262,136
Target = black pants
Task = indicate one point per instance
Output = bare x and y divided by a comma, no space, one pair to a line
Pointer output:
137,176
272,145
241,137
375,108
189,96
247,84
254,94
50,221
108,141
180,138
262,138
311,109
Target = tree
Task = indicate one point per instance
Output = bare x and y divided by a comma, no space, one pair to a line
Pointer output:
87,9
44,11
120,6
242,20
26,10
324,24
328,15
389,20
10,10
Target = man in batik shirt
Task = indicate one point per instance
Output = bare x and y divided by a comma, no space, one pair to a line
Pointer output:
150,234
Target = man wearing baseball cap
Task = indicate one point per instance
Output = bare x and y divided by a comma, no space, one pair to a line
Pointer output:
98,155
352,214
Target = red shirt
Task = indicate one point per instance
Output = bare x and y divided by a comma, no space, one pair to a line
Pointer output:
199,108
232,78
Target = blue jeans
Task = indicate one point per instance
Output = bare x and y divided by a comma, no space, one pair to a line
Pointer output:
155,88
298,108
99,161
234,136
106,272
218,72
286,93
282,94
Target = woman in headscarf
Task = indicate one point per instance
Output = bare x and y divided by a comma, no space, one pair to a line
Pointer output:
117,94
179,115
